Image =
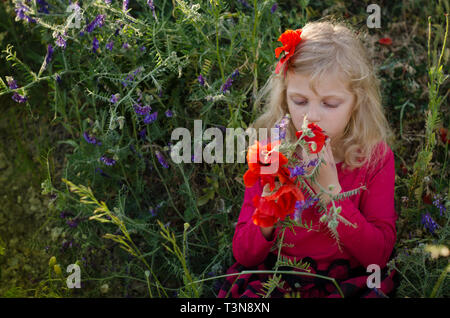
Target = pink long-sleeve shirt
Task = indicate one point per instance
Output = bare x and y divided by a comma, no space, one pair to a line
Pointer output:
372,210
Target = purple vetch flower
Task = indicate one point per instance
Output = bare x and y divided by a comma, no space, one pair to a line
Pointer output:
19,98
108,1
227,85
124,5
169,113
437,203
143,133
73,223
43,6
150,118
108,161
20,10
91,139
161,159
58,78
274,8
302,205
201,80
229,81
11,82
154,210
49,55
110,45
429,223
99,21
142,48
138,70
60,41
95,45
282,126
313,163
114,98
102,173
152,7
297,171
142,110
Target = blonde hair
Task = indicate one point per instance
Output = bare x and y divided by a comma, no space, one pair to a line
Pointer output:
328,46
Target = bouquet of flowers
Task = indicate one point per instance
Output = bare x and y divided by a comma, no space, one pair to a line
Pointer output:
282,174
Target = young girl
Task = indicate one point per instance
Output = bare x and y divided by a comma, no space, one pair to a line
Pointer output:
326,75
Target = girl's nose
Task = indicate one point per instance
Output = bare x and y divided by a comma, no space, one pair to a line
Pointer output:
313,116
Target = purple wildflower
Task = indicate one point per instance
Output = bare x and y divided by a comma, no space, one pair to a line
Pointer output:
154,210
20,10
97,22
108,161
60,41
114,98
142,110
58,78
429,223
125,5
108,1
169,113
43,6
227,85
313,163
128,78
11,83
152,7
110,45
95,45
201,80
150,118
161,159
297,171
282,126
142,48
235,74
49,55
19,98
437,203
102,173
274,8
143,133
300,206
91,139
72,223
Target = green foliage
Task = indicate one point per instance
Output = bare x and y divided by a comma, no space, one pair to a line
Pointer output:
133,237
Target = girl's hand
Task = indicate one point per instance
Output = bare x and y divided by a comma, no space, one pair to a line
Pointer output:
327,174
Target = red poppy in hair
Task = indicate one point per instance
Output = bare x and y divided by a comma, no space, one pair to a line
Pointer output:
290,39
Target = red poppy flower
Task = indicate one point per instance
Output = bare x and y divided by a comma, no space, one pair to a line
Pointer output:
385,41
443,133
285,197
319,137
290,39
265,163
266,211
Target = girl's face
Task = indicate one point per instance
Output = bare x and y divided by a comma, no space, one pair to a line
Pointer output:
330,108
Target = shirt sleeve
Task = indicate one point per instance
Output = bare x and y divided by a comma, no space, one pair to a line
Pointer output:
373,240
250,247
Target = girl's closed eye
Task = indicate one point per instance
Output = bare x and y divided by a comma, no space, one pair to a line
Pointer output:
304,102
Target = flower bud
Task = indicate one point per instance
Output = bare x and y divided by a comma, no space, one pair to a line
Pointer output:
52,261
57,269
